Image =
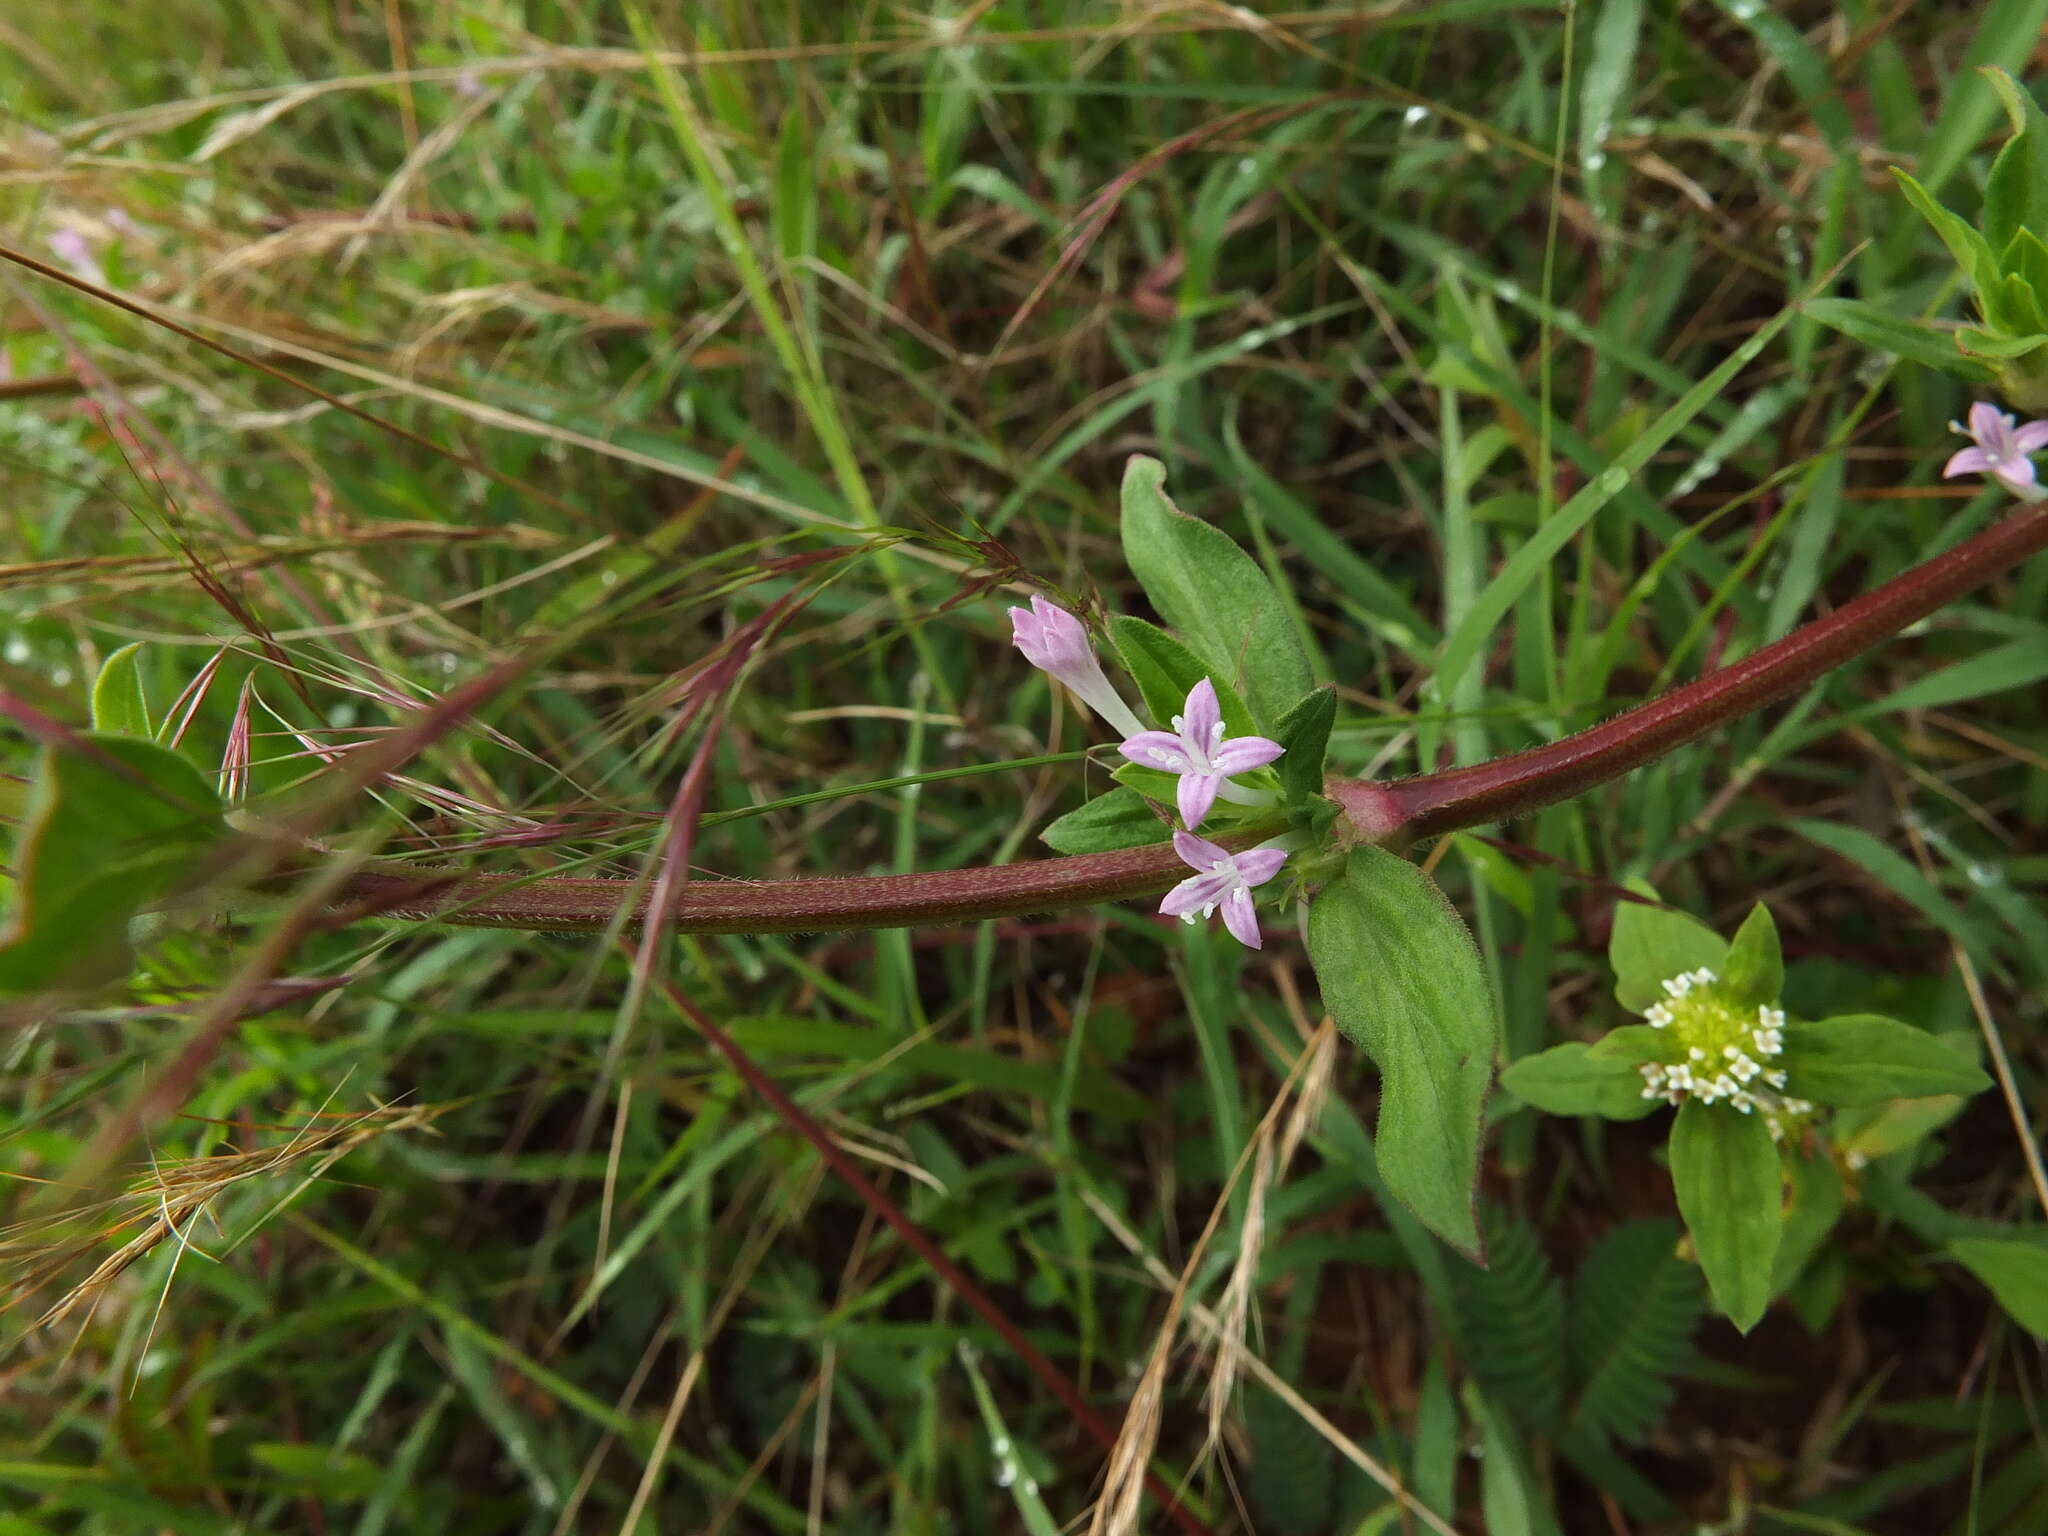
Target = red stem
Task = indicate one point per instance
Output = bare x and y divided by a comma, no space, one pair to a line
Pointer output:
1428,805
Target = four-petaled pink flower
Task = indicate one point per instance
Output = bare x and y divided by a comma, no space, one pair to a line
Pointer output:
1053,641
1196,750
1221,879
1999,449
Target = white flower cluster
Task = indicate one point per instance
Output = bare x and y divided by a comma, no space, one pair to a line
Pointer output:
1739,1072
1676,987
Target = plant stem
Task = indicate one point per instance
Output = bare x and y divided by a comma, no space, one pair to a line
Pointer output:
1425,806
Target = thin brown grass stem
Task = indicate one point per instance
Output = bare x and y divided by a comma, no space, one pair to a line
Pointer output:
798,1120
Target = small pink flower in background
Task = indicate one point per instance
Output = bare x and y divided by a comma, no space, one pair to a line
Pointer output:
1055,642
1999,449
75,251
1197,750
1221,879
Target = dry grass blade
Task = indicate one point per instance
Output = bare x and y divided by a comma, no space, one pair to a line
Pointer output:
163,1202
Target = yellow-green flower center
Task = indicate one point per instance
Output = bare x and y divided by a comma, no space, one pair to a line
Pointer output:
1717,1052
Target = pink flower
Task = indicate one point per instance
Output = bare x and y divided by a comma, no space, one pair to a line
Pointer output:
1198,752
2000,450
1221,879
75,251
1054,641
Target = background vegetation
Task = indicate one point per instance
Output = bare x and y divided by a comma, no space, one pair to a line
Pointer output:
467,1230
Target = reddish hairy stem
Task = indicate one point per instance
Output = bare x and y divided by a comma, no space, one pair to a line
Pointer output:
1424,806
1527,781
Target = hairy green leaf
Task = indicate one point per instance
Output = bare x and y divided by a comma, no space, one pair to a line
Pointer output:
2014,1271
1122,818
1724,1167
1305,732
120,706
1914,340
1753,972
112,823
1165,672
1570,1080
1651,944
1402,977
1214,594
1861,1058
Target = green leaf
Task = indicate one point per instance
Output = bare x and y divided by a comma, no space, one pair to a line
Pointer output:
1724,1168
1305,732
1632,1043
1165,671
1651,944
1570,1080
2016,194
1401,976
2026,258
1978,342
1122,818
1213,593
1971,251
1860,1058
1816,1206
111,824
1882,331
1753,972
119,704
1511,1320
2014,1271
2010,305
1635,1304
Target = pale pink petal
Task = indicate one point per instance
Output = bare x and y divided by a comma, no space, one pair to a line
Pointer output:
1255,866
1967,461
1241,920
2017,476
2032,437
1195,794
1242,754
1198,852
1991,427
1156,749
1201,715
1194,894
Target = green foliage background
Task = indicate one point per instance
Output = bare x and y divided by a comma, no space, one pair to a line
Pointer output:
1383,286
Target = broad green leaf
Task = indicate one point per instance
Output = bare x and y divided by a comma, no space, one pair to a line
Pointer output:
1651,944
1570,1080
2010,305
2026,258
1978,342
1122,818
1971,251
1861,1058
1165,670
1883,331
120,707
1893,1126
1305,732
2014,1271
1214,594
1632,1043
1753,973
1400,974
1724,1167
111,824
2016,194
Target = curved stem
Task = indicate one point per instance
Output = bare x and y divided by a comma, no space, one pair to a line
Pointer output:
1527,781
1428,805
